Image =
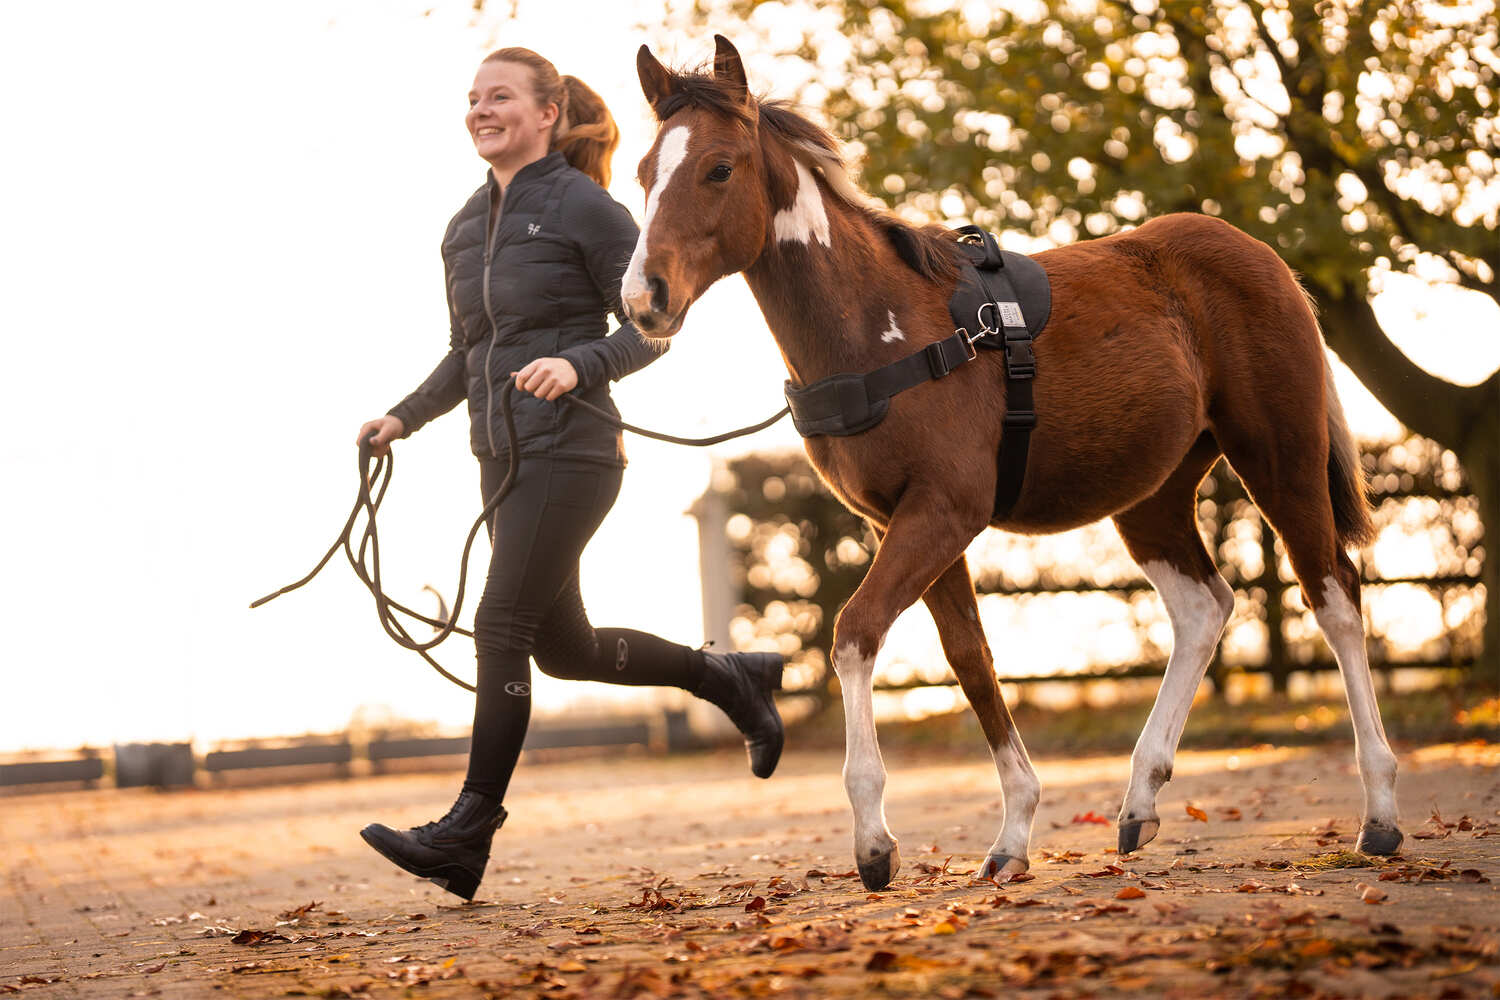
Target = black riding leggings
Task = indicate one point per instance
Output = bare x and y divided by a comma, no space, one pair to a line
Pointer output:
532,608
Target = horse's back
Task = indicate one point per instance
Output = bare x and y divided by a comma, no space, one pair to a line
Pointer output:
1151,330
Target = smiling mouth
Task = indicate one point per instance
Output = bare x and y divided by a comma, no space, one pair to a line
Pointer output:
481,133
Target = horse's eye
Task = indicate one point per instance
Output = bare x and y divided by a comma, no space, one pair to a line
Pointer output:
720,173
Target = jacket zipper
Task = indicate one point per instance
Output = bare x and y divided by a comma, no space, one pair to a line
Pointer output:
489,383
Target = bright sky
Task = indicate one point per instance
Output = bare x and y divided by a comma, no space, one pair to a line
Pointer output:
220,252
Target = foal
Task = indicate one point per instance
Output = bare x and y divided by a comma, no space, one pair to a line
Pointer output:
1168,346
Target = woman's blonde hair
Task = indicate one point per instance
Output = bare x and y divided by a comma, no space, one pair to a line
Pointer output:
585,131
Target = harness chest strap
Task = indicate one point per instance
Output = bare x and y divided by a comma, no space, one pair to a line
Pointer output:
1007,305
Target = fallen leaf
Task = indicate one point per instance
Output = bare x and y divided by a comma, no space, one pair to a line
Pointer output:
1370,894
299,912
254,938
1130,892
1196,813
881,961
1090,817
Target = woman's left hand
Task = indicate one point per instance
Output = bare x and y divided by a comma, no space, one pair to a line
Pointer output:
547,378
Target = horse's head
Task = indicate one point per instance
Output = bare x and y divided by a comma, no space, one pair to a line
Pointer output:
708,208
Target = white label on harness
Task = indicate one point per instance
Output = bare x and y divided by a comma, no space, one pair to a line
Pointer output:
1010,314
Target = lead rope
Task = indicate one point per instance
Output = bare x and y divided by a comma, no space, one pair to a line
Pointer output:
366,564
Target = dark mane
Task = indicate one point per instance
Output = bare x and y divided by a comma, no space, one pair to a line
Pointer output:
930,250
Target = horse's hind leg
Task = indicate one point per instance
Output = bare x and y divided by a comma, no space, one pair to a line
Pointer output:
1161,533
1286,475
925,535
951,601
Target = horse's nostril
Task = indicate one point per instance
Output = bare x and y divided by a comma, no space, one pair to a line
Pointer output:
658,294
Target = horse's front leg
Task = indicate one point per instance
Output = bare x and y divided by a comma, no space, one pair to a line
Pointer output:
925,535
956,612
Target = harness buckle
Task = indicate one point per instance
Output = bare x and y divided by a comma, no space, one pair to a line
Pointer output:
937,359
970,340
1020,419
1020,362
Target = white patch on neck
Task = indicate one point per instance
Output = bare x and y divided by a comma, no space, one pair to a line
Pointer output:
894,333
670,153
806,219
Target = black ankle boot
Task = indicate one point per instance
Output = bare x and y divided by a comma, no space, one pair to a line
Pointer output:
741,684
451,852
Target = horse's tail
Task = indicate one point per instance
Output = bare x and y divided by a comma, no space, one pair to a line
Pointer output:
1347,486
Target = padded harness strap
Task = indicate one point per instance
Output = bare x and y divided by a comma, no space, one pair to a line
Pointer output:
1002,302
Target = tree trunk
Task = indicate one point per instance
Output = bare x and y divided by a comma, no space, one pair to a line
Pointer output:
1464,419
1481,461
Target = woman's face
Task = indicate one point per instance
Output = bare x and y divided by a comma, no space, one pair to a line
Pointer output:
509,128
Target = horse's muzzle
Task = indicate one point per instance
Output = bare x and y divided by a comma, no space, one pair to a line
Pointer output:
649,308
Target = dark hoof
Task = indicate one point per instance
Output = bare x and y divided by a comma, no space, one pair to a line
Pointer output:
1002,867
1137,833
1375,838
454,878
877,873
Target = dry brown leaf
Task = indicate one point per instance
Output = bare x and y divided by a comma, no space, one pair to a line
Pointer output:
1196,813
299,912
1131,892
253,938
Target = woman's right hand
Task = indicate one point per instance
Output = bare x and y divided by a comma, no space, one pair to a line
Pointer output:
386,429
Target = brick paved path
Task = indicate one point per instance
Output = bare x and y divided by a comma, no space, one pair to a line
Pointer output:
639,877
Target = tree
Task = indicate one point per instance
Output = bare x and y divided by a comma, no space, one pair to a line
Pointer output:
1358,139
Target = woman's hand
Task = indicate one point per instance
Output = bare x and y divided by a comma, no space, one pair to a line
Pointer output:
386,429
547,378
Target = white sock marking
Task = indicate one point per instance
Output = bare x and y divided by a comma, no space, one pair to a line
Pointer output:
864,770
806,219
1344,629
1198,611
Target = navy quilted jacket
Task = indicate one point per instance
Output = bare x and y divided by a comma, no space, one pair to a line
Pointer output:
544,289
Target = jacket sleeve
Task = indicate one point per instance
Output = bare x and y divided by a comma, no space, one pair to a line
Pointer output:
606,237
444,388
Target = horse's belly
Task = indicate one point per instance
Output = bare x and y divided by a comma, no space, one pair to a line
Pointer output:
1090,459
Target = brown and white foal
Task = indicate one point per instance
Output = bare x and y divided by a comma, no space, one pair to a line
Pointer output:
1168,346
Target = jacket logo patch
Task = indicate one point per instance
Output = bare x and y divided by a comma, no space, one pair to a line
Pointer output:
532,229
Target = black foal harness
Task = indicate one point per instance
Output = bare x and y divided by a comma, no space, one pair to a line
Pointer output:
1002,302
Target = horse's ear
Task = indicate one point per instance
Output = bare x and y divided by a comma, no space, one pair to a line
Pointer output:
728,68
656,80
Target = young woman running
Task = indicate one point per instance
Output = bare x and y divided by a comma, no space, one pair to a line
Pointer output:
534,262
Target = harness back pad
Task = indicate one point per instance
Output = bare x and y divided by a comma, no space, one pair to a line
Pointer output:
1028,289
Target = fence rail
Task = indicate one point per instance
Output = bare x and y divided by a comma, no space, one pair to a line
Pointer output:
174,765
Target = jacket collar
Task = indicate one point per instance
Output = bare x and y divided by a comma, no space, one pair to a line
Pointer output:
535,170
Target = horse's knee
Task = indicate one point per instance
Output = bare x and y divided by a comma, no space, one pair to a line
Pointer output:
854,643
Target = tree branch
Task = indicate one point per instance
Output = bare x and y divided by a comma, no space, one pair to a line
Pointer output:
1431,406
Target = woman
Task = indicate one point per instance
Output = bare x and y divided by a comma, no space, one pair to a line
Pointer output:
534,262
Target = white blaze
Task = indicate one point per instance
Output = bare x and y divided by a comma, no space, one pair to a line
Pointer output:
670,153
805,219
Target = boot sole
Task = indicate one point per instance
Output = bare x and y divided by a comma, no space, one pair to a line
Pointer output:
453,878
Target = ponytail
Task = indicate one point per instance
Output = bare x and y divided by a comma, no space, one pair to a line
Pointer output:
588,134
585,132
